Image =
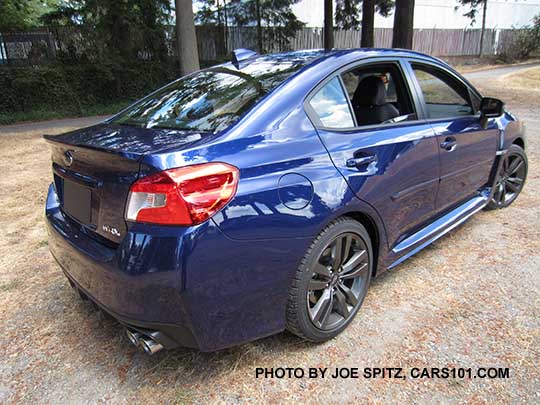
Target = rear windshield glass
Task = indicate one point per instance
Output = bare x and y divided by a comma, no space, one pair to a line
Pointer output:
209,100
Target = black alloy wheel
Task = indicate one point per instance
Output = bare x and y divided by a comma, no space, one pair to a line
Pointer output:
511,178
332,281
337,282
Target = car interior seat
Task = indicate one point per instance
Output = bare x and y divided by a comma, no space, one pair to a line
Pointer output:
369,102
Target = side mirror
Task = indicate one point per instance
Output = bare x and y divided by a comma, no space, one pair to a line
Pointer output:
490,108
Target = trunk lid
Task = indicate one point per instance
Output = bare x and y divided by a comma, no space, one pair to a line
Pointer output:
94,168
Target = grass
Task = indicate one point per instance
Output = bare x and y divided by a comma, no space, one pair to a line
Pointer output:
11,285
43,242
474,64
52,113
527,80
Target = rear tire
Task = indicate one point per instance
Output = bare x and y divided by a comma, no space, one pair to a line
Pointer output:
510,179
331,282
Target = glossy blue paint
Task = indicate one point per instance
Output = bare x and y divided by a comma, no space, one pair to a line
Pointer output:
403,186
465,169
226,281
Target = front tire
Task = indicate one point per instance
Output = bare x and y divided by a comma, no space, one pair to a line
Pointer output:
510,179
331,282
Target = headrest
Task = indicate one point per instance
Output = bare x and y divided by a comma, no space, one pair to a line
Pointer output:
370,91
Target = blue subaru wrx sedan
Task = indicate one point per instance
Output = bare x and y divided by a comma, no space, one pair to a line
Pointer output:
265,193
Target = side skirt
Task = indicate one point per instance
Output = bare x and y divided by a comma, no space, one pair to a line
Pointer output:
424,237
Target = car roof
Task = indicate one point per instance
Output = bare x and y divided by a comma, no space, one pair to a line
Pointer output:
307,56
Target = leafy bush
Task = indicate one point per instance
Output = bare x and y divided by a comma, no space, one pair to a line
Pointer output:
64,89
526,41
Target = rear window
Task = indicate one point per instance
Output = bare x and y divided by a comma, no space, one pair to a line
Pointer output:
209,100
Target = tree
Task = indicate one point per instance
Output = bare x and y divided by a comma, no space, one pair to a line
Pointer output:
214,13
368,23
348,12
123,29
17,15
188,55
472,13
328,25
275,15
347,16
402,35
274,20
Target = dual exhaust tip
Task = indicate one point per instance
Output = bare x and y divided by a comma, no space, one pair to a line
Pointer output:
147,343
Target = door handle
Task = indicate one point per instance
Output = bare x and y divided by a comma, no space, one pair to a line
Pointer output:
449,144
364,161
361,161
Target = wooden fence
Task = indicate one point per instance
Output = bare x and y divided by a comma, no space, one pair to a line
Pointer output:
437,42
215,43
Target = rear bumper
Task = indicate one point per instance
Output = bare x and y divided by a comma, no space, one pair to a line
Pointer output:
169,335
139,282
192,284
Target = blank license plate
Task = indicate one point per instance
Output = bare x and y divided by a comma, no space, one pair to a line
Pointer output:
77,201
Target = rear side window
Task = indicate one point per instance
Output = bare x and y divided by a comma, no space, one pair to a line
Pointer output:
378,94
331,106
444,96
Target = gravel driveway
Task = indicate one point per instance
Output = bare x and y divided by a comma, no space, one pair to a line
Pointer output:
472,299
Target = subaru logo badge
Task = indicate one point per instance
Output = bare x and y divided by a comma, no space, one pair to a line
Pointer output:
68,158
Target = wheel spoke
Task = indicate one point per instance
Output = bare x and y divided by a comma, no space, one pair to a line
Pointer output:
342,306
497,197
323,308
347,248
355,273
354,261
505,165
337,254
512,186
515,180
515,166
503,193
317,284
322,270
351,298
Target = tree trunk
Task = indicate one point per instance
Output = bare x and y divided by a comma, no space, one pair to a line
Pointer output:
188,55
226,27
259,27
402,36
328,25
368,21
483,31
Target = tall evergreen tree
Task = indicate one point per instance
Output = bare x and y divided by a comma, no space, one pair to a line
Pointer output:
118,29
17,15
348,14
328,31
402,35
188,56
474,6
274,19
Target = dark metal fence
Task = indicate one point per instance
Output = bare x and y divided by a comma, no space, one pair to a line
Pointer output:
214,43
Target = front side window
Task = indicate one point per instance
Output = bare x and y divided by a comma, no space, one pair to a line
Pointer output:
444,97
331,106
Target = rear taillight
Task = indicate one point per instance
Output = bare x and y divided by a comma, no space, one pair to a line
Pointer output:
183,196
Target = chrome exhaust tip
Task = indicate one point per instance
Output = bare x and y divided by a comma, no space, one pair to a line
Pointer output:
149,345
134,337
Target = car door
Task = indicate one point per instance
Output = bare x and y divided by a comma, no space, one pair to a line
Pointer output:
392,165
467,150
